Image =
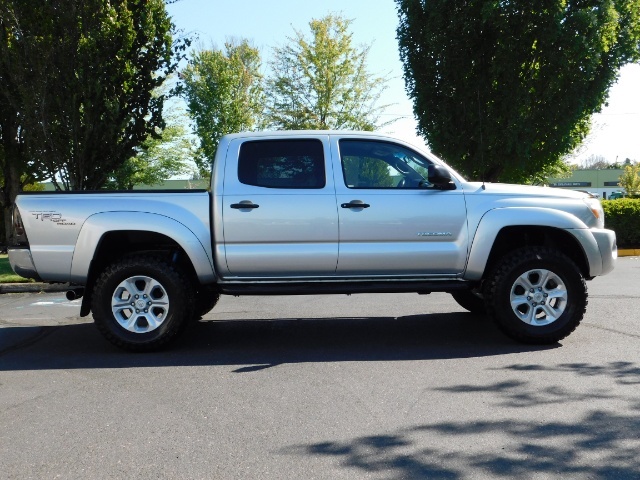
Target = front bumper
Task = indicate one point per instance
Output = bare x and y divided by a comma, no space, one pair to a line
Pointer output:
600,248
22,263
606,240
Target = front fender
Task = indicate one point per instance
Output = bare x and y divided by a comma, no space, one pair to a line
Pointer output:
96,226
495,220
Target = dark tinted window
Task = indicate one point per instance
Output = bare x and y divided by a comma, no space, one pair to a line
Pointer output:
282,164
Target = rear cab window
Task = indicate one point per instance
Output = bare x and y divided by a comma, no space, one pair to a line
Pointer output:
293,164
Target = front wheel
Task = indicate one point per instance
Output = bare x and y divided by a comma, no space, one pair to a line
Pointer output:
536,295
142,302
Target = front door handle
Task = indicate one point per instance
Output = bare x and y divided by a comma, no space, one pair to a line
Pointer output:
244,204
355,204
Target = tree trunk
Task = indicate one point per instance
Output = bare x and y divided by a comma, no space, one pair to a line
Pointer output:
12,176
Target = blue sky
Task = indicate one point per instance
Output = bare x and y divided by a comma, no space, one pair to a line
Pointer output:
615,132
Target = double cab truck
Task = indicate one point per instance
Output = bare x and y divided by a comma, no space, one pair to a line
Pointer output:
317,212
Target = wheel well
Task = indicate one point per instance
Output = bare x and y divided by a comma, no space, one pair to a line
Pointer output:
512,238
114,245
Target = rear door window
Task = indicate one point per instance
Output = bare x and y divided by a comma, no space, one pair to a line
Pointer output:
282,164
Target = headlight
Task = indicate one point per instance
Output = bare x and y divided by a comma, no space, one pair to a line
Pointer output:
596,209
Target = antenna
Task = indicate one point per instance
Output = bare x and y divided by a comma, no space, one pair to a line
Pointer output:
482,165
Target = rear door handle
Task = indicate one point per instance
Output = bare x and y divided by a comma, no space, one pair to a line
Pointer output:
244,204
355,204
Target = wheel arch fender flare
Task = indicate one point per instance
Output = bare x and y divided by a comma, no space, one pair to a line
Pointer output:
98,225
493,221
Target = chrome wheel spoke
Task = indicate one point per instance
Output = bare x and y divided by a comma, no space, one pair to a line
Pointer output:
544,278
120,305
517,300
159,303
140,304
557,294
524,282
538,297
153,321
551,314
130,323
528,316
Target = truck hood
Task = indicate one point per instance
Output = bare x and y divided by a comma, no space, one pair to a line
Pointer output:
505,189
500,195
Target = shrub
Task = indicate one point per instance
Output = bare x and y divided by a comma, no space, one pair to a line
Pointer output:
623,216
630,179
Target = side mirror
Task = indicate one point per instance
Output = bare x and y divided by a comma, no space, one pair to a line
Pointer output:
440,177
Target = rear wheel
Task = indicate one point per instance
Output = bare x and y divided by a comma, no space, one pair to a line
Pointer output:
536,295
142,302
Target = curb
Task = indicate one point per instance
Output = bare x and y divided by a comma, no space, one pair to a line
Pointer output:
629,252
34,287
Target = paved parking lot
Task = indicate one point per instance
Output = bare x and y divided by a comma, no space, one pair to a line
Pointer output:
335,387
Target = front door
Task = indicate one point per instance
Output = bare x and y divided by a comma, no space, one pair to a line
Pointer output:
391,222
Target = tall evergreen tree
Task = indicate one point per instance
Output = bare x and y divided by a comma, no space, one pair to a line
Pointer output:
504,89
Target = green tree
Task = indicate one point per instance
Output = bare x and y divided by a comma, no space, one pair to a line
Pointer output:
224,94
76,78
164,154
630,180
504,89
160,157
322,81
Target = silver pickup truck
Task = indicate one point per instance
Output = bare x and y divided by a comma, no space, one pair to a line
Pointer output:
310,213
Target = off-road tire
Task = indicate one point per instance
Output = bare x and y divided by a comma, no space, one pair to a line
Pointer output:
549,312
166,279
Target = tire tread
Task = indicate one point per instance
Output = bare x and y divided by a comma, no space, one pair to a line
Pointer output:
508,264
102,319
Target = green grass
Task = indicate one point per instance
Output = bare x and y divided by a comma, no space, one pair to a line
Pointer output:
7,275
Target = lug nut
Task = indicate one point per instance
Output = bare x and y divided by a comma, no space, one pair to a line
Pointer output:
528,298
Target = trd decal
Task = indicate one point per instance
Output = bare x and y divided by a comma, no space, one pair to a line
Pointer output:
55,217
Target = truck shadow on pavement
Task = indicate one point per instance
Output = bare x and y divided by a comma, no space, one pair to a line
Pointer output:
258,344
586,432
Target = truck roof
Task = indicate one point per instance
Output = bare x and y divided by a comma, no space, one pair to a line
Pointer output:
294,133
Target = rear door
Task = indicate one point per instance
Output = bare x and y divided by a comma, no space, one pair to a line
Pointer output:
279,208
391,222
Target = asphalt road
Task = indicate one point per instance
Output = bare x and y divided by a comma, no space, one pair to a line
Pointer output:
335,387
